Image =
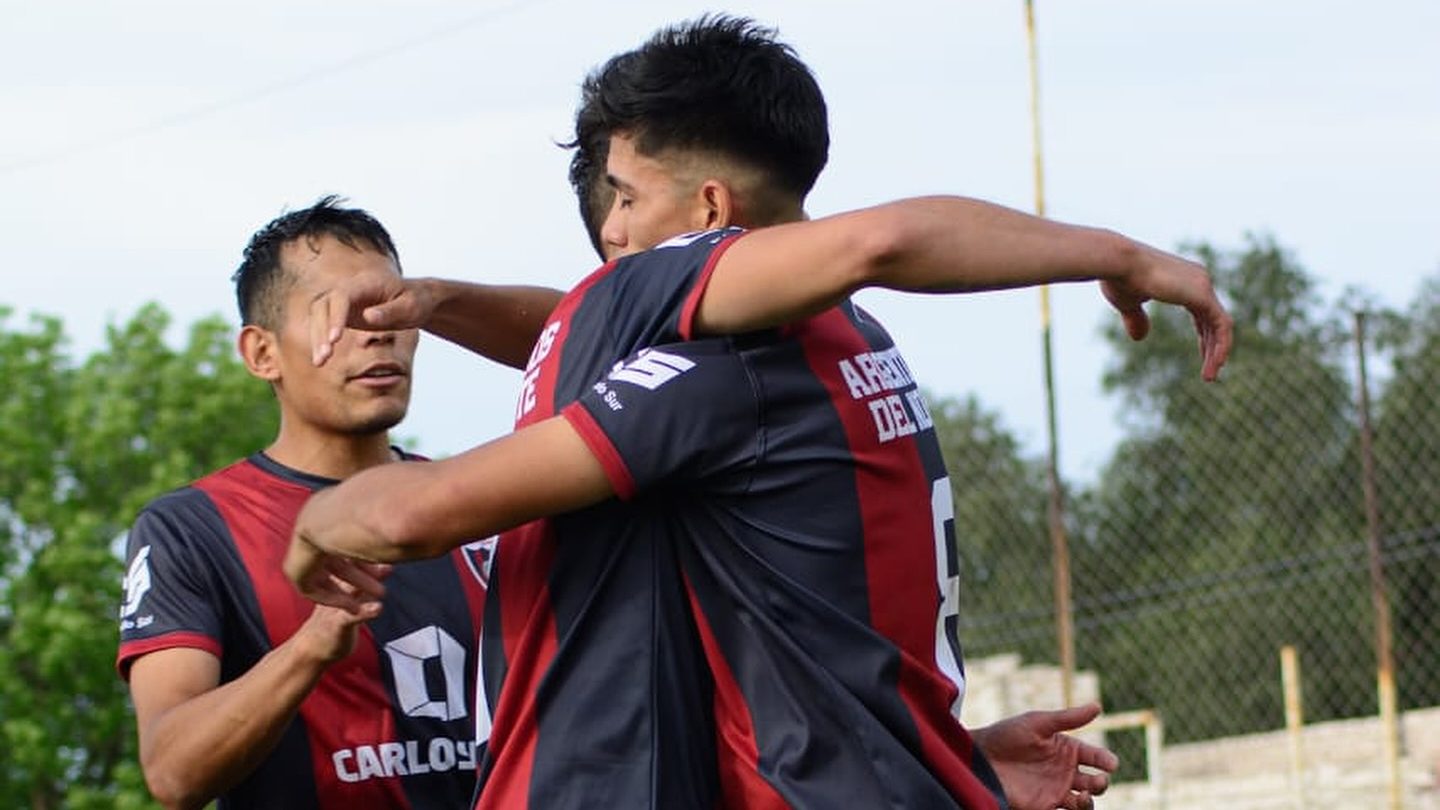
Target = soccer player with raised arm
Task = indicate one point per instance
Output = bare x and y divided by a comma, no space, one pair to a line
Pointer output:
786,482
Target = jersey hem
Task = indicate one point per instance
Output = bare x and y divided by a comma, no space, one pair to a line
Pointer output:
599,443
131,651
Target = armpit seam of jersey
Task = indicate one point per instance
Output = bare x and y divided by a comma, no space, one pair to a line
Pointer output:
757,392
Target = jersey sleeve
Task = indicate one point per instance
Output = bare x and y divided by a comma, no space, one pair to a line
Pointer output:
170,588
659,290
683,413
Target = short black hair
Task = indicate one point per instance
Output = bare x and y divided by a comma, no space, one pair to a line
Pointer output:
594,195
260,281
718,83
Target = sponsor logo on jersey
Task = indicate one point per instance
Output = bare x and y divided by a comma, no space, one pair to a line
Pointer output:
409,657
877,378
651,369
409,758
137,584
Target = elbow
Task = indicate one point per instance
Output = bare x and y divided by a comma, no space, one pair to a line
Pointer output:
171,789
400,535
878,247
403,526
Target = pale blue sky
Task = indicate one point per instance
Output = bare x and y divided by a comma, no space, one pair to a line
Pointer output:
144,141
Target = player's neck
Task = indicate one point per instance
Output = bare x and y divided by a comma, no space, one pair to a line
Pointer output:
330,455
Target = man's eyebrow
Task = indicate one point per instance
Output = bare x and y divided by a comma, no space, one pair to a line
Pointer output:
618,184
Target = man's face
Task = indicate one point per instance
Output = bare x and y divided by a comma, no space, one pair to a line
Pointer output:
651,202
364,387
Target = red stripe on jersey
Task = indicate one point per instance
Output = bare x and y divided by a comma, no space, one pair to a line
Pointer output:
134,649
345,705
526,623
737,751
599,443
692,301
894,496
542,370
524,556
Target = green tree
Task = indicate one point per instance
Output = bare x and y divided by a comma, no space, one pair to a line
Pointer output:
1407,467
82,448
1000,531
1226,524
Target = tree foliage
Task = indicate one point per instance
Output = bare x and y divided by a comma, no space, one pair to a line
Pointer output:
1224,524
82,448
1001,532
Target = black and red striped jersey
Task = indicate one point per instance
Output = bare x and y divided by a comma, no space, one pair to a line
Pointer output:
391,725
592,667
811,509
796,479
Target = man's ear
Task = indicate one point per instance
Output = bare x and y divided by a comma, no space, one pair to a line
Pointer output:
259,349
716,205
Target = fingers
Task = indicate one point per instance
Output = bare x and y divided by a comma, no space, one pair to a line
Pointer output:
355,578
1058,720
1215,328
1078,801
363,611
328,312
329,588
1095,756
400,313
1137,323
1089,782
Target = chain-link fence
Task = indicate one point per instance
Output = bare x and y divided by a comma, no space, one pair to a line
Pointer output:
1230,522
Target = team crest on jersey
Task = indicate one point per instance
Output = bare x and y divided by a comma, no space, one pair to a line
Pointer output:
479,556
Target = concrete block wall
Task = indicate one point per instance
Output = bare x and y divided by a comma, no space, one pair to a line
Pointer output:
1343,761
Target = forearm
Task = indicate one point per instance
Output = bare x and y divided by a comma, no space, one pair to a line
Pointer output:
926,244
498,322
206,745
413,510
956,244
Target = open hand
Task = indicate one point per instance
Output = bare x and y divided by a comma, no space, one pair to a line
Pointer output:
377,301
1039,765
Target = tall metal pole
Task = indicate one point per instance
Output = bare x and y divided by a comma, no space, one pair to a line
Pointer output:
1384,657
1059,544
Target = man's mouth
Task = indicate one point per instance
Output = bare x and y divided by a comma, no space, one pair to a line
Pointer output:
380,374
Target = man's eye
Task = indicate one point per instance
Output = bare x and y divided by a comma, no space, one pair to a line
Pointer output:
626,202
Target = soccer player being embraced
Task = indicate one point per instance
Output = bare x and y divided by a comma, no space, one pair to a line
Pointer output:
789,477
243,690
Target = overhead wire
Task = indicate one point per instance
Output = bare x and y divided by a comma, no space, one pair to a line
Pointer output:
250,96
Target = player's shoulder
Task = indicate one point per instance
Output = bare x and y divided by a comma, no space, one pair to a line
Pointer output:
185,503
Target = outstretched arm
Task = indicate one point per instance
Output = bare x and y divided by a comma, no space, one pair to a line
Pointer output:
500,322
405,511
1039,764
949,244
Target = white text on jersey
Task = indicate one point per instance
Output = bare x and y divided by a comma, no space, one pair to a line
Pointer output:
391,759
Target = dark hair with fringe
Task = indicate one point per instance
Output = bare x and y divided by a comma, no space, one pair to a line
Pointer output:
260,281
718,84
